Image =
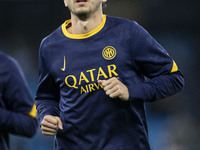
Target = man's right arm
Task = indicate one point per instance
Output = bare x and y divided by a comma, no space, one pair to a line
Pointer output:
47,95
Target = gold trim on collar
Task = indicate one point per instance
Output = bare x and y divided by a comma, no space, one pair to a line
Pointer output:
82,36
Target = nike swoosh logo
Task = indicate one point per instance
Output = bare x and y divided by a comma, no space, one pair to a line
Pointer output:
63,69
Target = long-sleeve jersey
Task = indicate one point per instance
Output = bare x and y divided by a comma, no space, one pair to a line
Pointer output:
70,66
17,108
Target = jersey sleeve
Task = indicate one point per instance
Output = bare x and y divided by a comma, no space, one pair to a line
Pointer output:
47,95
18,111
150,59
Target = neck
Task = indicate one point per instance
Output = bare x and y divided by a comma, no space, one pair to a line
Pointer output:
86,23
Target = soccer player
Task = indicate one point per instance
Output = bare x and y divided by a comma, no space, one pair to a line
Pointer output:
96,73
17,108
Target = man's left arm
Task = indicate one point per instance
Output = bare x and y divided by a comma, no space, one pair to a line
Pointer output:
150,59
19,116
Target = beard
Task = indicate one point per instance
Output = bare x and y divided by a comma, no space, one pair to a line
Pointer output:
84,12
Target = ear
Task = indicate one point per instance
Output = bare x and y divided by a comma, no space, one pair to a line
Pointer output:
65,2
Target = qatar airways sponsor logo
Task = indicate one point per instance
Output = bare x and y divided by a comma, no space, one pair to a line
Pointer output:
87,80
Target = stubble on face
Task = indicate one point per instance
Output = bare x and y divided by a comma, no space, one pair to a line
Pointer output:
88,8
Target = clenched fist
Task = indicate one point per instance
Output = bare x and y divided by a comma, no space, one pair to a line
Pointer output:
50,124
115,88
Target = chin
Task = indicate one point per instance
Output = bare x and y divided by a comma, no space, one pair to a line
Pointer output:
81,13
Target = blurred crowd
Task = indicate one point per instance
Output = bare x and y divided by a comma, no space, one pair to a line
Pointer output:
174,123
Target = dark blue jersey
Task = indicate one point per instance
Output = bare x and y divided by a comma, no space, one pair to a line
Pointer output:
71,65
17,108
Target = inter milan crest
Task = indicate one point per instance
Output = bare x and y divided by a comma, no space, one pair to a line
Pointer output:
109,52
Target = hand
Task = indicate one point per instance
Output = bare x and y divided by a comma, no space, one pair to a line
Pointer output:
50,124
115,88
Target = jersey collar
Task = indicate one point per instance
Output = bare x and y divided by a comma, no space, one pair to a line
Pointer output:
82,36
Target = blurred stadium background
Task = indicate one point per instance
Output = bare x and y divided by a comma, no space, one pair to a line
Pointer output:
174,123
